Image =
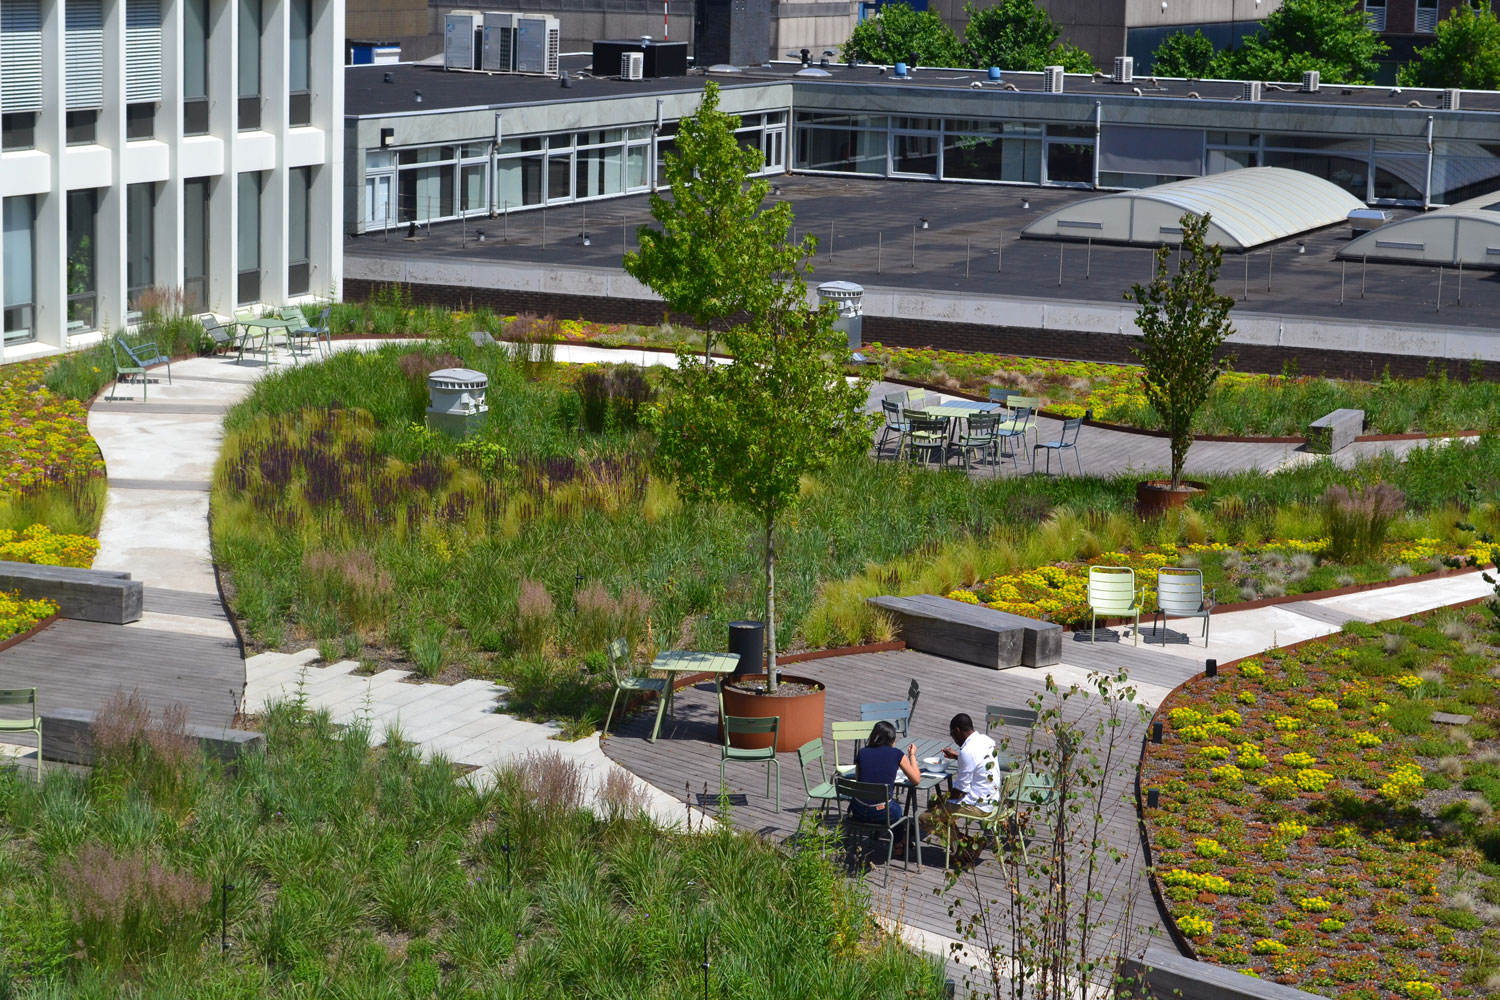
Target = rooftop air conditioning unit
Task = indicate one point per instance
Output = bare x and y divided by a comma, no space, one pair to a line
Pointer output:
538,42
1124,69
499,42
632,65
1052,79
1450,100
461,39
1310,80
1250,90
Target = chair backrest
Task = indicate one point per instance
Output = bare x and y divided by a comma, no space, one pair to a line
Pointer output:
864,791
293,313
899,398
1111,588
1070,431
916,394
912,694
742,725
999,395
1179,590
810,751
619,658
244,314
983,424
889,711
1000,715
136,353
858,731
1031,403
20,696
921,423
892,413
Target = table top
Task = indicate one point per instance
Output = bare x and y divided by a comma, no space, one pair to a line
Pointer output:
267,322
680,661
960,408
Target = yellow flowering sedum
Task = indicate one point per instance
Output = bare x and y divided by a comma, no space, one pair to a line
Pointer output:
41,545
18,614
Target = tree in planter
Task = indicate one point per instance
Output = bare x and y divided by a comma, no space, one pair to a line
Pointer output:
716,240
1183,321
747,432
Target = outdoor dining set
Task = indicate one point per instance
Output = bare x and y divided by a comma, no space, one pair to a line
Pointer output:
937,432
249,332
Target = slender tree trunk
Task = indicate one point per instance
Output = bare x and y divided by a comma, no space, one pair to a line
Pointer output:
771,673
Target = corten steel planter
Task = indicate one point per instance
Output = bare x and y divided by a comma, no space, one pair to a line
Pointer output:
801,714
1154,497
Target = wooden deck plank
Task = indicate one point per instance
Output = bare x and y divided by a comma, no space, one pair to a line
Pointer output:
190,603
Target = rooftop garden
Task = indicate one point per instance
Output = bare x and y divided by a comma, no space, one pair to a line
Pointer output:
1323,825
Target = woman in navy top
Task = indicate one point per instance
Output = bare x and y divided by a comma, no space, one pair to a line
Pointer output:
878,762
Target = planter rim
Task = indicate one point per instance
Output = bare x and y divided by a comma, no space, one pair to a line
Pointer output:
795,679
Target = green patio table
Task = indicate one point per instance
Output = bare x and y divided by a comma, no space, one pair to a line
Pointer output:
265,324
683,661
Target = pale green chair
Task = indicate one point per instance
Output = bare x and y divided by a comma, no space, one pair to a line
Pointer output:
619,665
857,733
27,697
823,792
1112,594
736,725
1004,814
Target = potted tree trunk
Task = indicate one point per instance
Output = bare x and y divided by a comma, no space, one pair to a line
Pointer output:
1184,322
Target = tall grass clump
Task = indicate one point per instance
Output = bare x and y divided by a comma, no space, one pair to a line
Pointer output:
1357,521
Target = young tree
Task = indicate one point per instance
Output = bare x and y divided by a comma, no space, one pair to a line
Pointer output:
1331,36
1019,35
748,431
1183,321
898,33
1184,55
715,238
1464,53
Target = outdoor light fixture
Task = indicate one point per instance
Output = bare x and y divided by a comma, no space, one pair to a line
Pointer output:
479,235
1025,203
1301,247
586,241
924,223
1163,6
1210,668
390,77
417,96
1156,732
1153,798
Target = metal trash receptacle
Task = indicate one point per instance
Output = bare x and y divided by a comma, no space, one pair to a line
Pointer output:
747,639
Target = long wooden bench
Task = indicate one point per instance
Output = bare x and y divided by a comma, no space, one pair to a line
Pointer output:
90,595
1160,974
972,633
1335,431
68,736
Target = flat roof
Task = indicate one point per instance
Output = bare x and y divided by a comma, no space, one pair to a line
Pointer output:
972,245
366,93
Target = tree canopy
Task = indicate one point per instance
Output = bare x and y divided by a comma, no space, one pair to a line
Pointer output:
1331,36
1019,35
1184,55
898,33
1465,52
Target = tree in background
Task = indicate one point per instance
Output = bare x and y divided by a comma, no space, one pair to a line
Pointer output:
897,33
1183,321
1464,53
1184,55
1331,36
714,239
1019,35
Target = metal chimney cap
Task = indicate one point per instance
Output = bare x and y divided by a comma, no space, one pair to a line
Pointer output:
458,378
840,288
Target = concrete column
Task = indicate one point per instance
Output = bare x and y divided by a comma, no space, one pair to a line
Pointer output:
223,89
169,128
275,83
326,200
51,241
109,223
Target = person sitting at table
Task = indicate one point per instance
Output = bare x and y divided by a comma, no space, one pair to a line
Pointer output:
975,792
878,762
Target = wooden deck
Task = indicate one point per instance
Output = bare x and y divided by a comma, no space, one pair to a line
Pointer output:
686,759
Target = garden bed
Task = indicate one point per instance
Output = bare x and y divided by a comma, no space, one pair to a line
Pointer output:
51,472
1317,827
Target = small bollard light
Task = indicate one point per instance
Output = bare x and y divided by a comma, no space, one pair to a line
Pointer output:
577,581
924,223
950,989
1156,732
1210,668
1153,798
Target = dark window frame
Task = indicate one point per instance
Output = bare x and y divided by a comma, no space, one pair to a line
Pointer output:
81,127
140,121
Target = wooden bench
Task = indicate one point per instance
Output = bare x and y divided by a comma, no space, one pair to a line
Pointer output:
972,633
90,595
1335,432
1161,974
70,738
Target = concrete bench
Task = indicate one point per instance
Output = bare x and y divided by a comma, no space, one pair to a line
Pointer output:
67,736
1161,974
973,634
1335,432
90,595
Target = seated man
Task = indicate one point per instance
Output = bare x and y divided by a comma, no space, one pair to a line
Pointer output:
975,792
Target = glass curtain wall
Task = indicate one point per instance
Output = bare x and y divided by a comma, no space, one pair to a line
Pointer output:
17,256
247,257
195,245
249,54
299,61
83,217
299,200
195,67
140,240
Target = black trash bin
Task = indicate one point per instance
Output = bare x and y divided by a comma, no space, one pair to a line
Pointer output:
748,639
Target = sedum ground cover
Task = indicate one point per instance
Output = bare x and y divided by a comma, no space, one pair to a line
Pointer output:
1316,827
51,472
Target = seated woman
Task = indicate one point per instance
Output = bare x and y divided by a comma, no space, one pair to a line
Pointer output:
878,762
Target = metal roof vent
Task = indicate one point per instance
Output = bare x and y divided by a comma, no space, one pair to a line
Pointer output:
1450,99
1124,69
1310,80
1250,90
456,401
1052,79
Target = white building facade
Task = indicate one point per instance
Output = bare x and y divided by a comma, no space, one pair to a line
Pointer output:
189,145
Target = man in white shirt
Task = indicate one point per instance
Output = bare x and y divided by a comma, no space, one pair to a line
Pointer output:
975,791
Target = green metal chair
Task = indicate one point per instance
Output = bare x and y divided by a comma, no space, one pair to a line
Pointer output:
897,713
1066,441
874,791
24,696
981,434
1031,404
737,725
895,423
928,436
1112,594
1023,791
1004,814
619,665
824,791
127,366
856,732
1179,594
1014,423
1000,715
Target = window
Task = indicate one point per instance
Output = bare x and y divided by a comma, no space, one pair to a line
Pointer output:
1427,16
140,239
1070,162
17,252
195,66
249,53
21,55
298,245
1375,14
83,212
247,260
299,62
195,245
82,127
18,130
914,154
84,66
991,158
140,121
842,150
142,51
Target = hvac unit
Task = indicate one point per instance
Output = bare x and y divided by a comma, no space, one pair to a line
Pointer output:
1124,69
1250,90
461,39
538,41
1310,81
1052,79
1450,100
632,65
499,42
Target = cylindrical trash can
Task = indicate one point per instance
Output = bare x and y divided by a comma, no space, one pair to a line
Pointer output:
748,640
